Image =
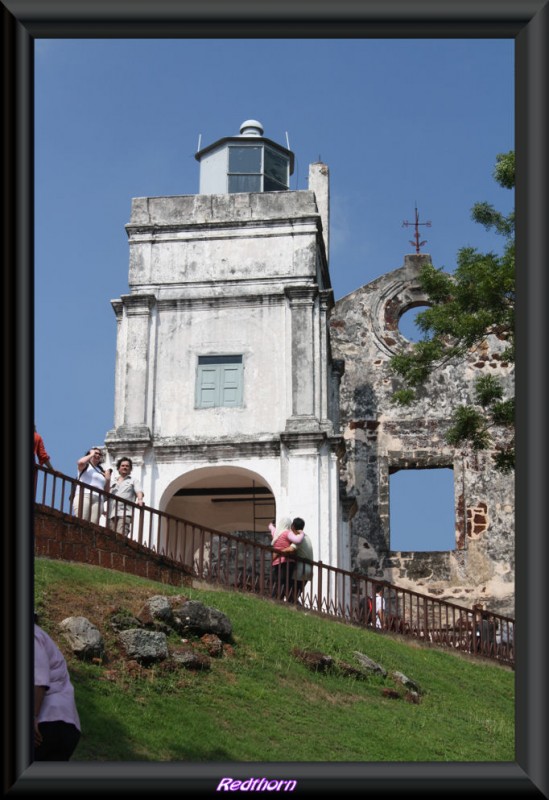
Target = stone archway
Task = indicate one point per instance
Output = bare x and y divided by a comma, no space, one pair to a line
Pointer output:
228,499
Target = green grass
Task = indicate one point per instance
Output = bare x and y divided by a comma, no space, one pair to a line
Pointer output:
258,703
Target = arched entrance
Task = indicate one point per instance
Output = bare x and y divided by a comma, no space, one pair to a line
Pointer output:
229,499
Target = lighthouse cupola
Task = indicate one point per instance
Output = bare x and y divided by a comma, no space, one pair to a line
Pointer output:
248,162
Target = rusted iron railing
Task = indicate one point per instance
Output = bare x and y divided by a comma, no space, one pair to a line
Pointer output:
235,562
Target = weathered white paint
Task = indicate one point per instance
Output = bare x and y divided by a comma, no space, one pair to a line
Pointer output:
242,274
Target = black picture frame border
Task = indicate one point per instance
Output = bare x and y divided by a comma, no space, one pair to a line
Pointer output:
527,22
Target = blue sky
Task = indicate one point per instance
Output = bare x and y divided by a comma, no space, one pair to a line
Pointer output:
398,122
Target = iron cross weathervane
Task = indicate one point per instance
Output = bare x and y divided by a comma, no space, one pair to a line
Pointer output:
417,244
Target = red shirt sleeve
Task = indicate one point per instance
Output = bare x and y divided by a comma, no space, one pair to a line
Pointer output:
40,450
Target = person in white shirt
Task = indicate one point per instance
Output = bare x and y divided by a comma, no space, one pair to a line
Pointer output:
380,606
88,504
125,487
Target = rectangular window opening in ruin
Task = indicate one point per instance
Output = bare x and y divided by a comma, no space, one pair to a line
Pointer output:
422,513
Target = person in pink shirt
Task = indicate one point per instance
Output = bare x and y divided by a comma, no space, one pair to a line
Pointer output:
279,566
300,571
56,720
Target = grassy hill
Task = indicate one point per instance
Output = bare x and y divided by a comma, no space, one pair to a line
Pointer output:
257,702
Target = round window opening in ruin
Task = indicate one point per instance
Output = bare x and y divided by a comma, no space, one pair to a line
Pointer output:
407,323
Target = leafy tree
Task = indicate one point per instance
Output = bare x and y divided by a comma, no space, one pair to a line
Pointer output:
477,300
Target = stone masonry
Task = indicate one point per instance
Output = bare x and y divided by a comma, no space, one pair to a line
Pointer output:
382,437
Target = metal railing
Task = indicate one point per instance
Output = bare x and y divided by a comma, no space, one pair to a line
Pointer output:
235,562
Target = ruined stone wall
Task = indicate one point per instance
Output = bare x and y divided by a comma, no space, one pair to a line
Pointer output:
381,437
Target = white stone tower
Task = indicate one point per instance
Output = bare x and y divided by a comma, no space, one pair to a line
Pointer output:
225,390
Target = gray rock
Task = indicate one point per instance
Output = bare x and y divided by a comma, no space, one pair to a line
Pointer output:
370,665
145,647
408,683
157,613
122,621
83,637
191,660
195,617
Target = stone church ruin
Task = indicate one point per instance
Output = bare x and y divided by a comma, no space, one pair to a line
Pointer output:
243,390
382,438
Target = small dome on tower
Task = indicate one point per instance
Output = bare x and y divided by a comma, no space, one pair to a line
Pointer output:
251,127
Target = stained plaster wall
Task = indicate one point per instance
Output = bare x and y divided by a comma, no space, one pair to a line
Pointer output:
242,274
381,437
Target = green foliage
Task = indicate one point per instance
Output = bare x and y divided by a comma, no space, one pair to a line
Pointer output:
258,703
504,413
488,389
468,423
504,171
505,458
476,301
404,397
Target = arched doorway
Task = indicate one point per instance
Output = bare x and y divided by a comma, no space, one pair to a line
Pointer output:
228,499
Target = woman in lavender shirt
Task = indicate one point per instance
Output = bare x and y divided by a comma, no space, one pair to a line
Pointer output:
56,720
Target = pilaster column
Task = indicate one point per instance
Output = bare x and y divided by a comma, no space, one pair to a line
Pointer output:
337,372
325,301
304,377
138,314
118,308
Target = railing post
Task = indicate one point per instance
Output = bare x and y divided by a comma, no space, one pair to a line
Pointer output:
319,586
140,524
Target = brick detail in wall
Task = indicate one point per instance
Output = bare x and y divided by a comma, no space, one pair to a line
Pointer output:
477,520
460,523
62,537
